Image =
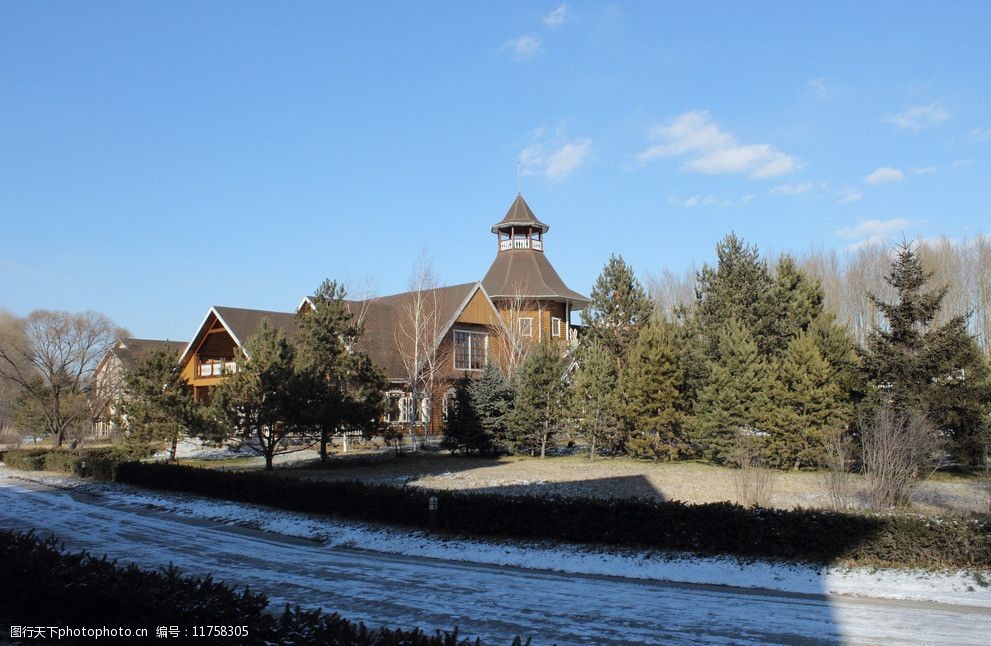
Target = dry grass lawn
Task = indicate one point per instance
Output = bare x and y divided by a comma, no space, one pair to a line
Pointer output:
621,477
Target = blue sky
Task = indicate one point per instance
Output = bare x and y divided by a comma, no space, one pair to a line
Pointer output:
159,158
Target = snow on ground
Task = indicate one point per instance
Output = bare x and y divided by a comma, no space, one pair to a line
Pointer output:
953,587
196,448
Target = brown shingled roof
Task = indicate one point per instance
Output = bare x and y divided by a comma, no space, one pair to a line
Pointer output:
244,323
131,351
525,272
384,314
519,214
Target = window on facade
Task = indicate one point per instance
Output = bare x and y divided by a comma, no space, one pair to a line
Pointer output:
469,350
555,327
393,409
215,367
526,326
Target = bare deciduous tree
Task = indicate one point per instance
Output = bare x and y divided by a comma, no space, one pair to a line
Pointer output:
418,330
836,465
754,483
898,451
52,356
516,343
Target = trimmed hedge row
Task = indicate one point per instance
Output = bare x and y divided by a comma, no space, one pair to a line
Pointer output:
100,462
805,535
54,587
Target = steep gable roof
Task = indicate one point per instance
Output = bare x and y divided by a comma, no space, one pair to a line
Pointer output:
383,317
241,324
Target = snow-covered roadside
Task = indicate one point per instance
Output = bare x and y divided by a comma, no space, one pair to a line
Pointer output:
955,587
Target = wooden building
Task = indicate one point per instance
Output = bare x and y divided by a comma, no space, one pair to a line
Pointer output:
109,376
456,329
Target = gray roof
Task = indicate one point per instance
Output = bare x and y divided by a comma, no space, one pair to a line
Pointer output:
528,273
519,214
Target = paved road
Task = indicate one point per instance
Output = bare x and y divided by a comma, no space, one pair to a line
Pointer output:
492,602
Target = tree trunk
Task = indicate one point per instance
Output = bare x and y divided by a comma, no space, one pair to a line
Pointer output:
175,442
269,456
59,438
323,444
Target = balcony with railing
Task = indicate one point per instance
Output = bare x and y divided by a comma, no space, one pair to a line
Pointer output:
521,243
215,367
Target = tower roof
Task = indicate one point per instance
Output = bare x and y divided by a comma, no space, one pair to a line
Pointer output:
528,274
520,215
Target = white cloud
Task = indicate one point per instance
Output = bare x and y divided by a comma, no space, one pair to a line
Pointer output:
923,170
713,151
850,194
919,117
556,18
522,47
706,200
818,87
874,231
980,134
555,158
883,175
796,189
561,162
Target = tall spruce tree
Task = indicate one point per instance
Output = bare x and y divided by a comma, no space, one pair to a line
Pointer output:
260,402
651,399
538,408
809,408
618,310
594,400
463,430
739,287
492,395
939,370
340,385
737,397
158,404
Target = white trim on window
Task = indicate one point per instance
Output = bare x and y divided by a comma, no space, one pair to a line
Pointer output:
527,329
555,326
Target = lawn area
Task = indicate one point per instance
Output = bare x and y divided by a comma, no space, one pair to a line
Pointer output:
617,478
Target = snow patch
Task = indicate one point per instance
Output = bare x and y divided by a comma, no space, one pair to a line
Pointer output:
953,587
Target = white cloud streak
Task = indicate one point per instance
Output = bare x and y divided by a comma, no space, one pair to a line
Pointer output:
714,152
980,134
555,160
521,48
884,175
867,232
557,17
919,117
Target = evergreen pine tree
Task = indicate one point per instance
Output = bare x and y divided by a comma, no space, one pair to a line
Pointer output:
809,407
463,431
740,286
618,310
737,397
593,402
341,388
937,369
492,394
798,304
538,408
260,402
158,404
651,401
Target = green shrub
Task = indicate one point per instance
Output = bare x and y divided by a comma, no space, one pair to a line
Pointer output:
80,590
98,460
815,536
